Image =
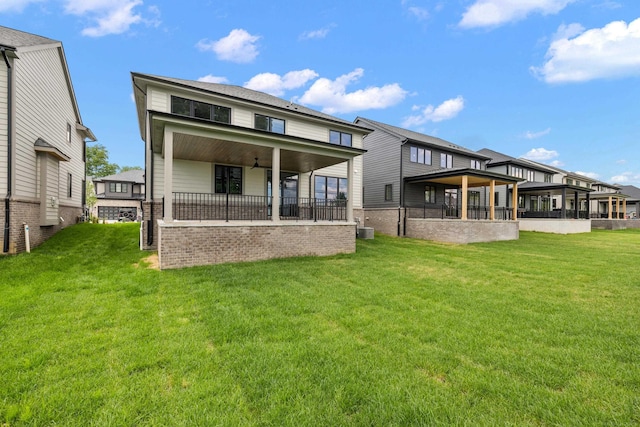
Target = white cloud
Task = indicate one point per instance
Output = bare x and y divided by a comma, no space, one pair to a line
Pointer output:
622,162
420,13
540,154
111,16
239,46
15,5
556,163
332,95
534,135
276,85
317,34
612,51
445,111
209,78
591,175
626,178
493,13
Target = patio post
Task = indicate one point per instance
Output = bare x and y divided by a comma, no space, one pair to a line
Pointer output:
492,200
617,207
610,214
465,185
168,174
514,201
624,208
350,190
275,185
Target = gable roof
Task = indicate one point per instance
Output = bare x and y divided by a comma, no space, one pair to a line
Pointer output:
133,175
250,95
502,159
408,135
15,39
630,190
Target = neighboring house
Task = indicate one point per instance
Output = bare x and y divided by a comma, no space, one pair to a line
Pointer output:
42,141
410,177
633,200
119,197
211,154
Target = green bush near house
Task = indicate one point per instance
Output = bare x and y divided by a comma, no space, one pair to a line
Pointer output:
540,331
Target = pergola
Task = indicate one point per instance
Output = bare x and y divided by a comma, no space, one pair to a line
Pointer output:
465,178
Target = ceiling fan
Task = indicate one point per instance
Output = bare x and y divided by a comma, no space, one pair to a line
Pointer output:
255,165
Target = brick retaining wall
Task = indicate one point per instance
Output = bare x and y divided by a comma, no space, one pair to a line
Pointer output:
186,244
384,220
462,232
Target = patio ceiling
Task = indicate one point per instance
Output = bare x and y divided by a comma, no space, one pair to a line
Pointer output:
224,144
453,177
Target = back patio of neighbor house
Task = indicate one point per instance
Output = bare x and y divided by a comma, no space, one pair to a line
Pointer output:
212,154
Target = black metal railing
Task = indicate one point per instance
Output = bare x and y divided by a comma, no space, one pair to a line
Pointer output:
443,211
235,207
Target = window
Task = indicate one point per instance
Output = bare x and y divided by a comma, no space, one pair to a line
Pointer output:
200,110
420,155
446,160
429,194
548,177
496,199
569,181
118,187
69,133
578,183
69,185
388,193
340,138
531,176
330,188
475,164
269,124
228,179
473,198
517,172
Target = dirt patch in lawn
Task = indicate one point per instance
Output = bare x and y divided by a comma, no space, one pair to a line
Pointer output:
151,262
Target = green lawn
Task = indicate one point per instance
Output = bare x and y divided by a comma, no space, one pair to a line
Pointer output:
540,331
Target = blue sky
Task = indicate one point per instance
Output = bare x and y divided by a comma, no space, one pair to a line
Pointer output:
557,81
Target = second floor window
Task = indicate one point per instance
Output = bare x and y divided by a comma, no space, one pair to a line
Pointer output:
446,161
420,155
517,172
340,138
531,176
475,164
548,177
118,187
269,124
200,110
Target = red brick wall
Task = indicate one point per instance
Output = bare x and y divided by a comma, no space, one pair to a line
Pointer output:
185,245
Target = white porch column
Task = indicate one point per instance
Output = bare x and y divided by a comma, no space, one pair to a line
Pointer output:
168,175
350,190
275,185
465,186
492,200
624,208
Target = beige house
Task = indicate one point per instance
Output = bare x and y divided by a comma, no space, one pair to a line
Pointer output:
42,141
233,174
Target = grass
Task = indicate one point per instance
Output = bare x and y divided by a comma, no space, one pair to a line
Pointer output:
540,331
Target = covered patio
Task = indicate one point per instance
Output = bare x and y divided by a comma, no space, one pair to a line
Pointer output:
459,220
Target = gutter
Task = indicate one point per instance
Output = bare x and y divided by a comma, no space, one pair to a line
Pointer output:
7,210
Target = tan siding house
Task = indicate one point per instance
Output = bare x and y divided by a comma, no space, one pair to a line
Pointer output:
42,140
212,154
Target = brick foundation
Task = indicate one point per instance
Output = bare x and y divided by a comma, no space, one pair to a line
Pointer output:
462,232
186,244
27,212
385,220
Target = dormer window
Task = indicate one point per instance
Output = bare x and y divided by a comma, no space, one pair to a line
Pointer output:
270,124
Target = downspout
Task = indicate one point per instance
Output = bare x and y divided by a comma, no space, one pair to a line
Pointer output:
7,210
151,219
400,231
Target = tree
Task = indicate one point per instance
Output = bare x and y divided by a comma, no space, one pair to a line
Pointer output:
130,168
97,162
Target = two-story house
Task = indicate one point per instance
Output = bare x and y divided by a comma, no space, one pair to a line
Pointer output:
42,141
119,197
233,174
418,185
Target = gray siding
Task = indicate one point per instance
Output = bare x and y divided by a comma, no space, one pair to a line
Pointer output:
381,164
44,107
